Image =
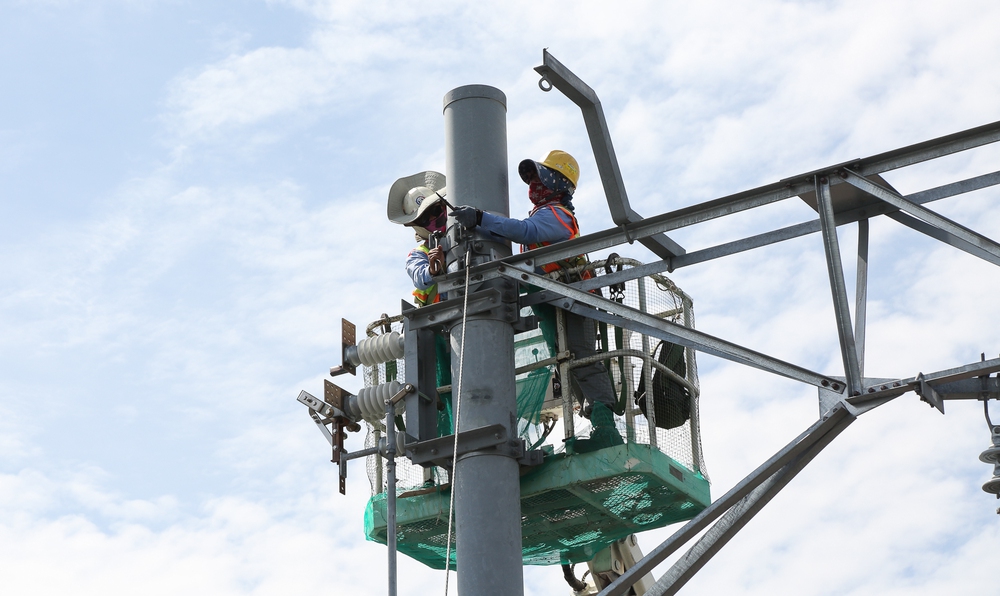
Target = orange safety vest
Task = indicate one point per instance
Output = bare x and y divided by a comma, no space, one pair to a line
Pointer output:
574,232
430,295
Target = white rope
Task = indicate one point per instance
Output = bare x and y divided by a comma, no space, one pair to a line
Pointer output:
457,399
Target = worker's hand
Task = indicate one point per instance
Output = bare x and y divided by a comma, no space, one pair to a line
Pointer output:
435,261
469,217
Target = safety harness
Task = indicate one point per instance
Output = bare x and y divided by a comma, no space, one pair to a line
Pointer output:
573,228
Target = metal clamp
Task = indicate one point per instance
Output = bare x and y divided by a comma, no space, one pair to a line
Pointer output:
439,451
501,304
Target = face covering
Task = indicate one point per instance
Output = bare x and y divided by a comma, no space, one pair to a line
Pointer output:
538,193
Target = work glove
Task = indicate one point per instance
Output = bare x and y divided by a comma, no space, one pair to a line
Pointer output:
469,217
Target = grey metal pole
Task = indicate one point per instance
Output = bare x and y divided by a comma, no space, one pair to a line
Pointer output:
486,483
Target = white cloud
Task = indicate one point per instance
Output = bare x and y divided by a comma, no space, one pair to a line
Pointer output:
203,295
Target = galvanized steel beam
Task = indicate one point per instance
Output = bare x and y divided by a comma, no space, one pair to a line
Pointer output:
812,439
586,98
835,269
861,295
630,318
938,234
943,223
710,210
939,147
739,515
901,386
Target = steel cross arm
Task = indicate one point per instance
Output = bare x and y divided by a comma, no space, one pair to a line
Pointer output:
703,212
901,386
786,233
939,147
583,96
819,434
630,318
631,232
938,221
843,217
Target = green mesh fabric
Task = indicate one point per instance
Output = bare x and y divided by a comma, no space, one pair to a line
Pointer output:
590,490
572,506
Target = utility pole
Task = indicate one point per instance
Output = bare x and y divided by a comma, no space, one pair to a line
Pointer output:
486,481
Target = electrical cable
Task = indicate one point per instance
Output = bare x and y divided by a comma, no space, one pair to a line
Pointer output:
458,411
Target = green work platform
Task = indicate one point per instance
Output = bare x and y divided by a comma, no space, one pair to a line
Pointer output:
572,506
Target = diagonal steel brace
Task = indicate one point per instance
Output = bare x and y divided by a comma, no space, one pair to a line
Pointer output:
630,318
939,221
586,98
735,508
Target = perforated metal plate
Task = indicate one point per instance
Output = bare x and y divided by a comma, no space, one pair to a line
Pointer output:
571,506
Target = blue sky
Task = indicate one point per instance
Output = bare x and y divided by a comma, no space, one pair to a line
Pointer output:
192,196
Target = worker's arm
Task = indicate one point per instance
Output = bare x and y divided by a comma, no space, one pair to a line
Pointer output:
417,267
543,226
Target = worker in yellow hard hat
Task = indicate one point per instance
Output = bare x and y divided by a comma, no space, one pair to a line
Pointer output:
551,184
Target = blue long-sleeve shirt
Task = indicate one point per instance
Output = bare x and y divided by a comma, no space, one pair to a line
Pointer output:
541,226
418,268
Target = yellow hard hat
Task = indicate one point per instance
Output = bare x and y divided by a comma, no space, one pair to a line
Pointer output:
556,161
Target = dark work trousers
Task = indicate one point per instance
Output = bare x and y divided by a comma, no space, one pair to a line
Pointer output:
590,382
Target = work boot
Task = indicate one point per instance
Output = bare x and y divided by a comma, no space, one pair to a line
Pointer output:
604,433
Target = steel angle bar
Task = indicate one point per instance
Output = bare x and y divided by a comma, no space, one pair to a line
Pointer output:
630,318
704,212
955,188
831,246
861,295
586,99
982,388
661,223
322,426
939,234
745,244
939,221
843,217
834,421
901,386
926,150
739,515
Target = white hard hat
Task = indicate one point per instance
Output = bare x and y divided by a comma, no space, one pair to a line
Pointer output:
409,197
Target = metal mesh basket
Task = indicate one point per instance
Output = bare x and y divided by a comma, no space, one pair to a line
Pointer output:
656,477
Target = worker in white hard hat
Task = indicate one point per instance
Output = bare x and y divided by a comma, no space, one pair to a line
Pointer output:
551,184
417,201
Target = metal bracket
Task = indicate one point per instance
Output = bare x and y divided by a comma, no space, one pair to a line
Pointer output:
439,451
586,99
928,394
500,304
945,379
526,324
331,410
348,335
